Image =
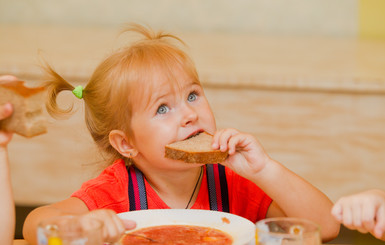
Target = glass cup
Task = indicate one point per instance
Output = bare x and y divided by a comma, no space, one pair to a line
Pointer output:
70,230
287,231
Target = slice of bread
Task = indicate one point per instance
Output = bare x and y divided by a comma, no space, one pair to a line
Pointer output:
195,150
27,118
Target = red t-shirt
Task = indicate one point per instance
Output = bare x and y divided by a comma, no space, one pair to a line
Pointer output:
110,191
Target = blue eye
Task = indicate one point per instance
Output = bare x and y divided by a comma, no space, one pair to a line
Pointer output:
163,109
192,97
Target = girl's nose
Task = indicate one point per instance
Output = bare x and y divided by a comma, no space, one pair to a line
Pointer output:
189,115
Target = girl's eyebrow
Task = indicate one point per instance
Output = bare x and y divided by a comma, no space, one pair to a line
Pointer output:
155,98
159,94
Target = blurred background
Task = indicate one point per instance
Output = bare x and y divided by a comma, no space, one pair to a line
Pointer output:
306,78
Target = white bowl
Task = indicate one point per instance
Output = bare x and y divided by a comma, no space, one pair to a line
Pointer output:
240,229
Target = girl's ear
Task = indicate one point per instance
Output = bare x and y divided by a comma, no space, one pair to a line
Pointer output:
119,141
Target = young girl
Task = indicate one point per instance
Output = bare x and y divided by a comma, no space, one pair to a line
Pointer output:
364,211
148,95
7,206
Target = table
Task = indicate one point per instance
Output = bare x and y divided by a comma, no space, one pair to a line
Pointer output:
23,242
20,242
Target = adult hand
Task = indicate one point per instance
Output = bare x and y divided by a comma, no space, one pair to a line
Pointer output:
6,111
364,211
5,137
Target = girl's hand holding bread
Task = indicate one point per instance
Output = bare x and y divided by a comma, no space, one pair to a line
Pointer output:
292,196
246,155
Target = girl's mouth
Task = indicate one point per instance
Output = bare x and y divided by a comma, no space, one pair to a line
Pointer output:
194,134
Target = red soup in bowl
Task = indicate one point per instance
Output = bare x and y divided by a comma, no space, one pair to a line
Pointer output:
177,235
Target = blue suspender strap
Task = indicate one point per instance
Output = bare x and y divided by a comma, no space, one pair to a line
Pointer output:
217,187
136,189
211,187
216,182
224,188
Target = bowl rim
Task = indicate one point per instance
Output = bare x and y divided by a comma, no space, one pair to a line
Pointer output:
240,229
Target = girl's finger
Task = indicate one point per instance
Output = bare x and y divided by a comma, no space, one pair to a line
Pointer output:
216,136
129,224
235,142
115,228
225,137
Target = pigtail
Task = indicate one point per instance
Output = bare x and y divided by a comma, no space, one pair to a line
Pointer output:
54,86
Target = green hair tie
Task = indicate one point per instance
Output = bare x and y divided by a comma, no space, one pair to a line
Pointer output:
78,91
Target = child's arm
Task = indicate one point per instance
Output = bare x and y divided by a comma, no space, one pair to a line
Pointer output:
7,206
291,194
363,211
113,227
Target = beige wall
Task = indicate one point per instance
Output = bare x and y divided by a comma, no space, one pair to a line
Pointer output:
334,140
287,17
315,103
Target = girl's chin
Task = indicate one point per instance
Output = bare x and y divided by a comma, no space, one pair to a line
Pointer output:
183,165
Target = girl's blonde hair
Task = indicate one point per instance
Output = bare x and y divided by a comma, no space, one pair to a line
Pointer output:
119,81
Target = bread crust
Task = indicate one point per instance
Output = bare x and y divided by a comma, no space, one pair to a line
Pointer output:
196,157
195,150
